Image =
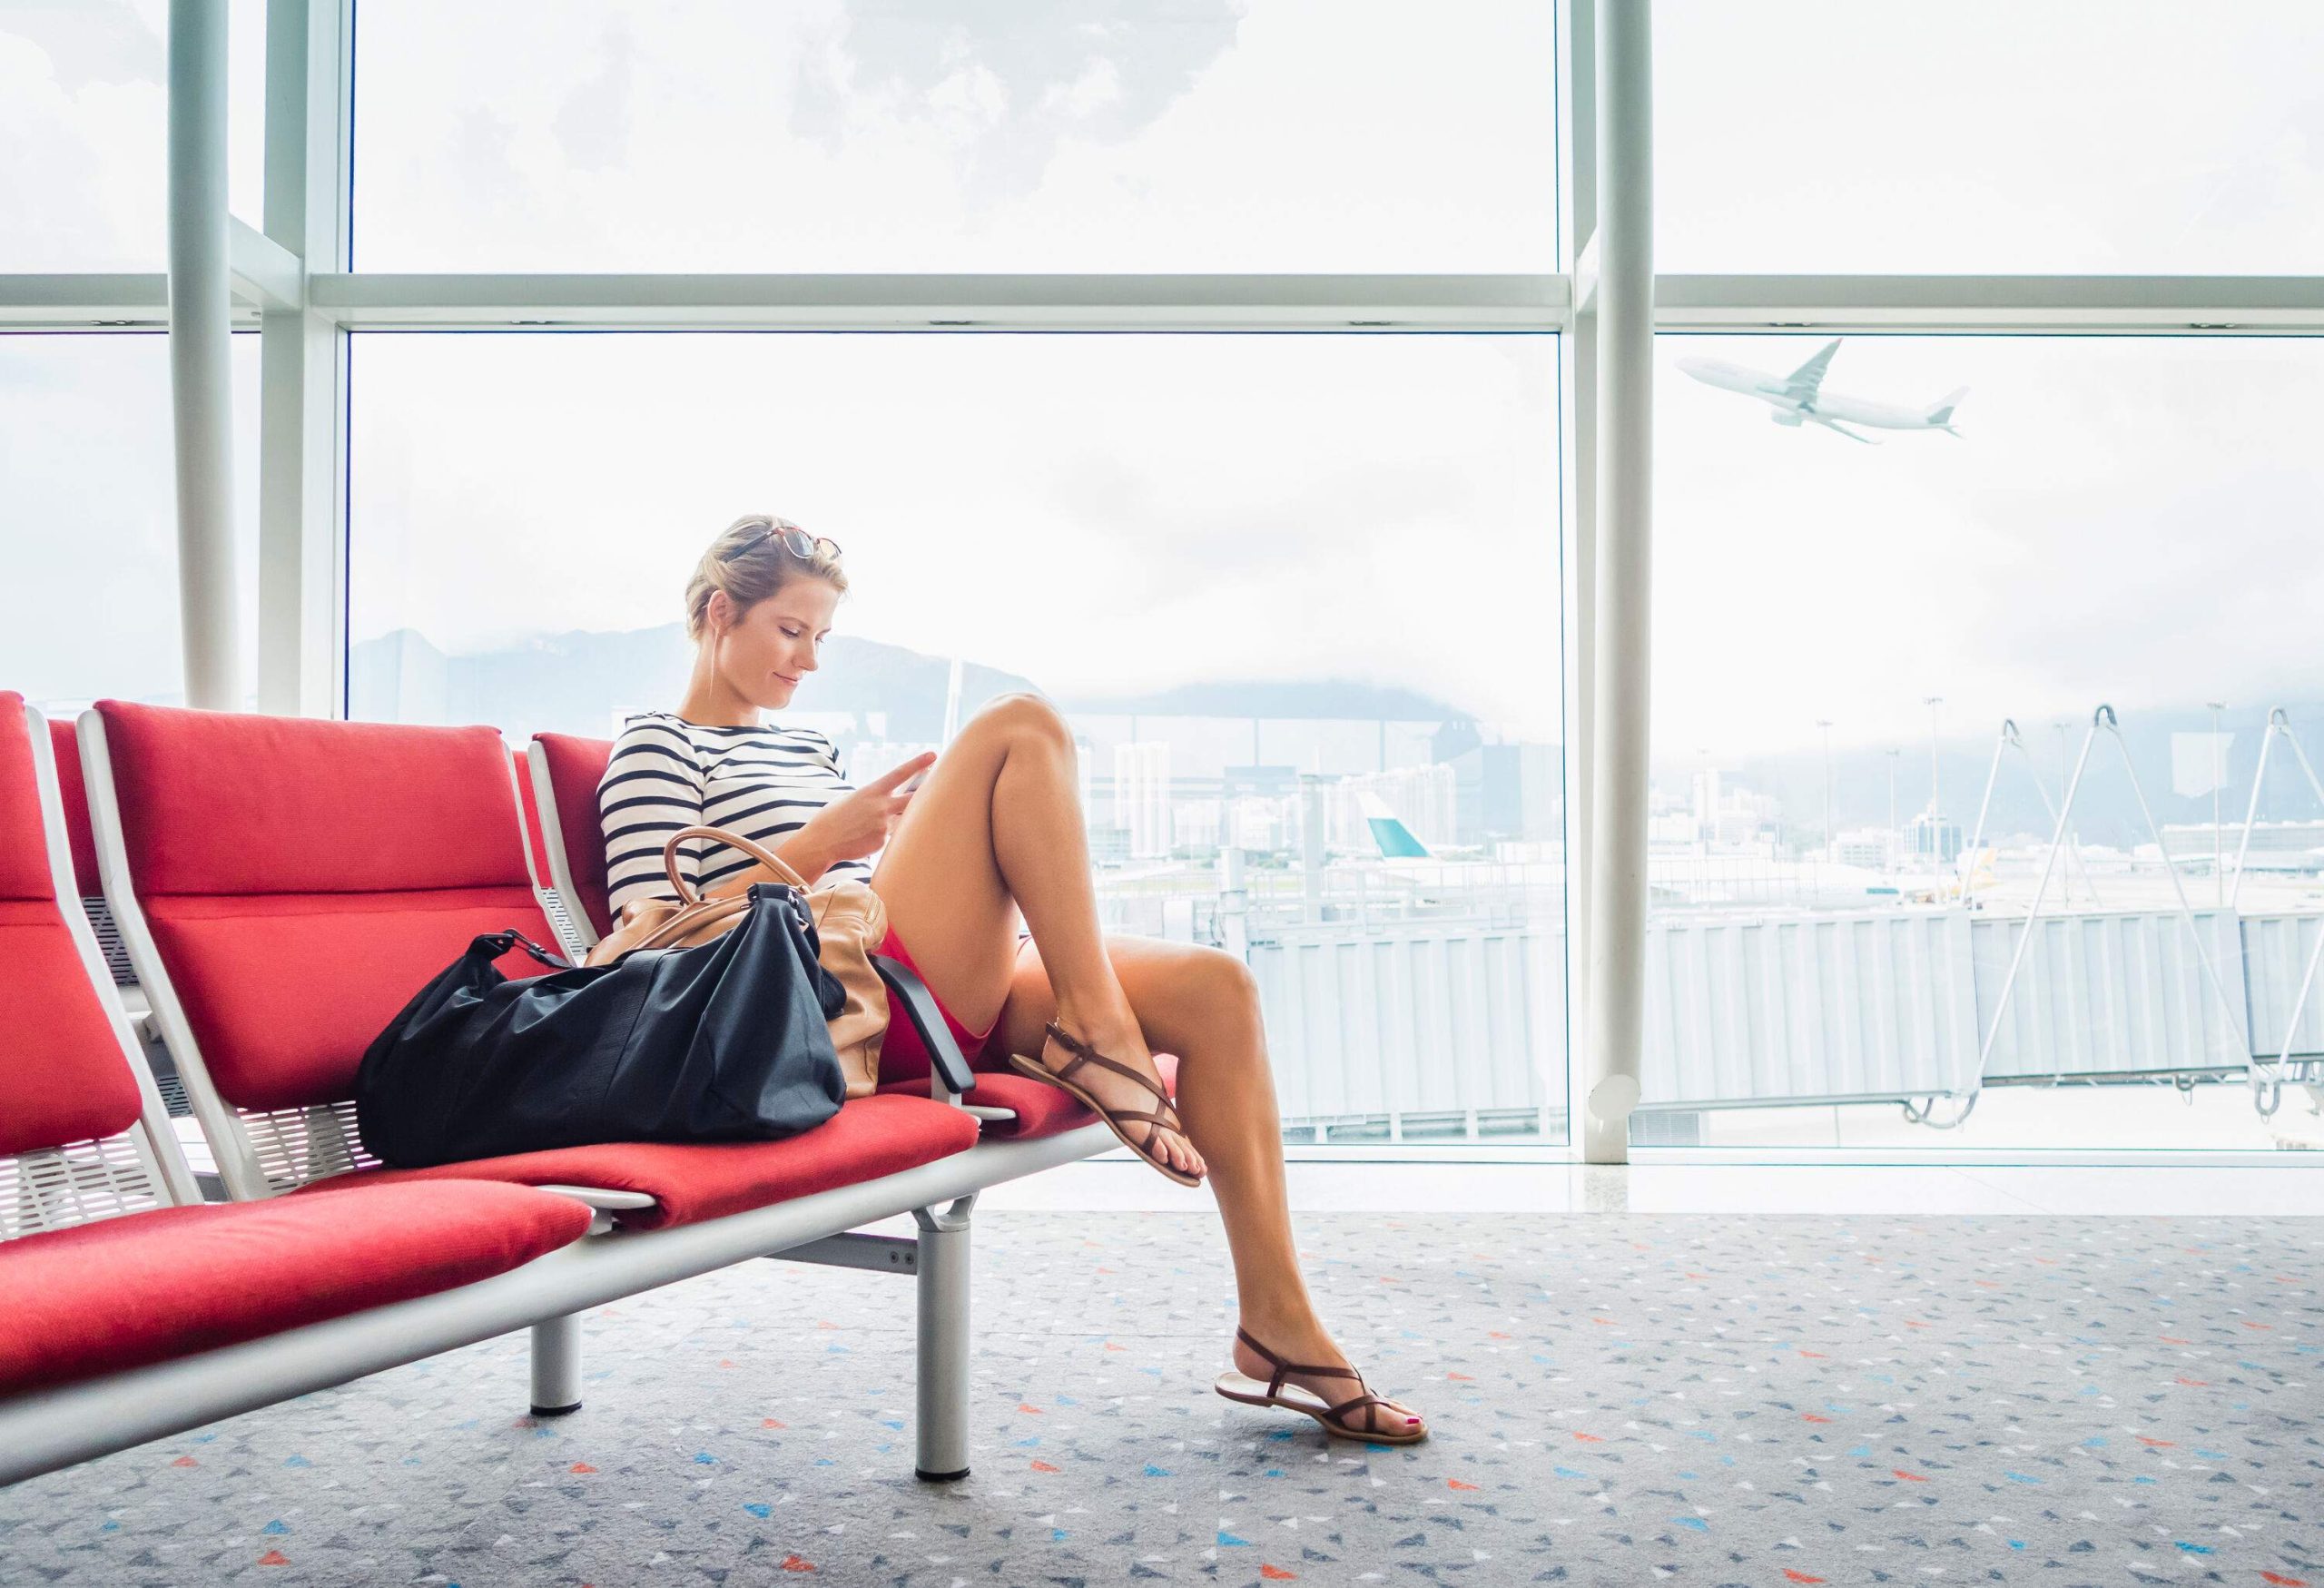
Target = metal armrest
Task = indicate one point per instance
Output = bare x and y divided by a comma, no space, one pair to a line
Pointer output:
909,994
601,1199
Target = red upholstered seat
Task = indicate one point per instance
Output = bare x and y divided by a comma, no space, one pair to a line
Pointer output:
64,1077
76,792
536,848
148,1287
576,767
304,878
868,1138
1042,1110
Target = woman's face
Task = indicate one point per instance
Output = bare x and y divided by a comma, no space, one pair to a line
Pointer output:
769,652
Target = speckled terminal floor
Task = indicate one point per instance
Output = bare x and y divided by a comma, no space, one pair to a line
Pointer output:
1616,1398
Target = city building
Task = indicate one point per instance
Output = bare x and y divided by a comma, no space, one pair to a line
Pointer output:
1142,796
1932,839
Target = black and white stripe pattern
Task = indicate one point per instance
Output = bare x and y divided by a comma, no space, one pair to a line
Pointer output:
667,773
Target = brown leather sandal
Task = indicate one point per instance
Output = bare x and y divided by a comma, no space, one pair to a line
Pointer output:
1086,1054
1240,1386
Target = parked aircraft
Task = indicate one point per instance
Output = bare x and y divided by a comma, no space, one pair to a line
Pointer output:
1396,841
1800,397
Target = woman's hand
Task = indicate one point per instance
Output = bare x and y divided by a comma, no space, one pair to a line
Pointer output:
858,822
855,824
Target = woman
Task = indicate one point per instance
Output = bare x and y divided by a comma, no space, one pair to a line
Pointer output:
994,830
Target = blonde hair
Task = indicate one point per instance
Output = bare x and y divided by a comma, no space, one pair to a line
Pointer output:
750,564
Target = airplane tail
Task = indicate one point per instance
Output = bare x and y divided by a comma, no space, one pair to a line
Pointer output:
1394,840
1940,416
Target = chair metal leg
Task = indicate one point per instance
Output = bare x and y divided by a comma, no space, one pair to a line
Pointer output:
556,1366
942,1449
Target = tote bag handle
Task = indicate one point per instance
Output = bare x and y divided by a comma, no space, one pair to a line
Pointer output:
757,851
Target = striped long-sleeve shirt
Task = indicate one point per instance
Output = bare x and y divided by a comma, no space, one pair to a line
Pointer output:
667,773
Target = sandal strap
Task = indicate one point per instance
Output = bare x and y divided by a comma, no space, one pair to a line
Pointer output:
1335,1413
1086,1054
1282,1368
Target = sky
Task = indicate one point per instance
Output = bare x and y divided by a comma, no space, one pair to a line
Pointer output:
2122,518
1104,515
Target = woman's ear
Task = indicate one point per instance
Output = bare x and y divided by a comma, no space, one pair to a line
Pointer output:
718,614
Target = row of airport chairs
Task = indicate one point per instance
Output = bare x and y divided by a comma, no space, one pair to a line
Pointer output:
261,895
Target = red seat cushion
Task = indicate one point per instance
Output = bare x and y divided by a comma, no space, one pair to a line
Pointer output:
576,767
63,1075
284,991
304,878
23,837
216,802
1042,1110
74,790
149,1287
868,1138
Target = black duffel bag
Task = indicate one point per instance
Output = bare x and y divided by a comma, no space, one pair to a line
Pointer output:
724,1042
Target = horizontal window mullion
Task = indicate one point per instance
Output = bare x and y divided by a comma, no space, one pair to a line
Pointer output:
1519,302
1996,303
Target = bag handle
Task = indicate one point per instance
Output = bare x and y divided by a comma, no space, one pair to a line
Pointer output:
501,943
731,840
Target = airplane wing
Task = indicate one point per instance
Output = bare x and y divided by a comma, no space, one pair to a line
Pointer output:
1802,384
1817,419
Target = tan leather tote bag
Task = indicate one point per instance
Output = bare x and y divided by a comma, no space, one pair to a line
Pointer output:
851,923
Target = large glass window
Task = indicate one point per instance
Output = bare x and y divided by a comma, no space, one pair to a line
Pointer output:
1227,135
89,604
84,173
1992,136
1296,594
1845,845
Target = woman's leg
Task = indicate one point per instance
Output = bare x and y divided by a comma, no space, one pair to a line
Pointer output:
1202,1005
996,829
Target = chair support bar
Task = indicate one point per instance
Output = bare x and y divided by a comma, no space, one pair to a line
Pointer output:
882,1253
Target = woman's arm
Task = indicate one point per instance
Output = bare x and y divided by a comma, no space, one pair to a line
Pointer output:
851,826
801,851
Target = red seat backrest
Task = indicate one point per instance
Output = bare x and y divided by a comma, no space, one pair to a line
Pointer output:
76,806
536,841
576,767
303,879
64,1077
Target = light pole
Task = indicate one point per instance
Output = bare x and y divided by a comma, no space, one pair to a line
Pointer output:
1894,831
1932,702
1825,724
2218,878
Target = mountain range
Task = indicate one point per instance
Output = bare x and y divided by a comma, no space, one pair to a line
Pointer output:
576,682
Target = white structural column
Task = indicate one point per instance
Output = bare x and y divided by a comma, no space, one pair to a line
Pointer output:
1577,505
302,365
201,387
1624,550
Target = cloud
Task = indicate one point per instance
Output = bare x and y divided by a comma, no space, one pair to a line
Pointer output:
816,137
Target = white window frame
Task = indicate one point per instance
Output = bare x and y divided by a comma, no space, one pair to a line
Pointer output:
290,280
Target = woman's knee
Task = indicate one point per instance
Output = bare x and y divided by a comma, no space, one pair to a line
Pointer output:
1215,986
1024,714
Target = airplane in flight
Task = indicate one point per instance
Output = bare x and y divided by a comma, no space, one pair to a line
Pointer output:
1799,398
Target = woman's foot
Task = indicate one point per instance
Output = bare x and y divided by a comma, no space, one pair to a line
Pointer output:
1119,1039
1315,1348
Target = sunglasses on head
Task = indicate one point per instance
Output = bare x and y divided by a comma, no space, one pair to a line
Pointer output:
799,543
